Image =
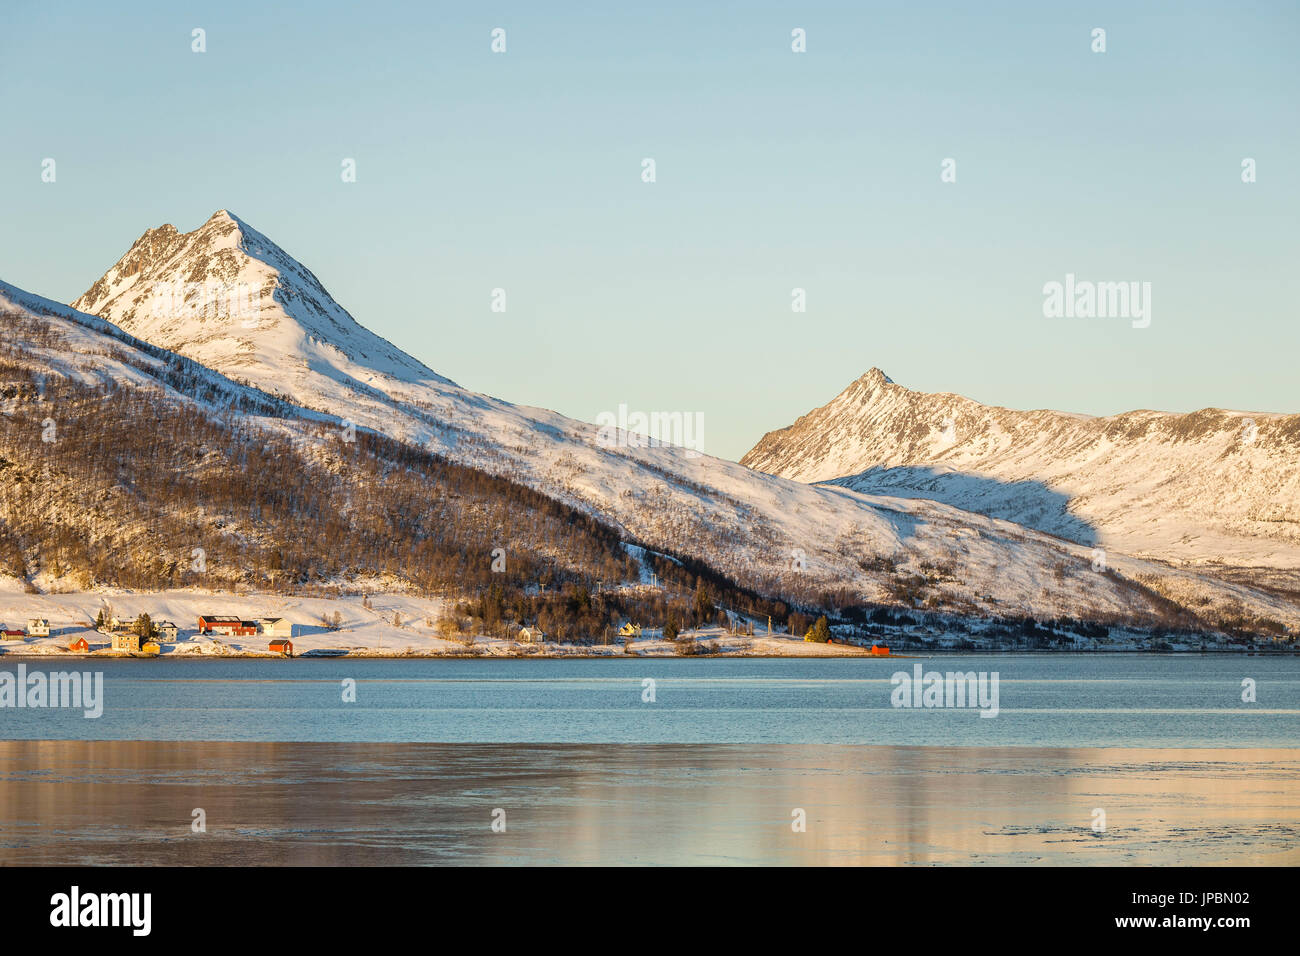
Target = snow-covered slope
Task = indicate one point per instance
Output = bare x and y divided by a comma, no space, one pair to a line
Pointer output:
770,533
96,352
1207,487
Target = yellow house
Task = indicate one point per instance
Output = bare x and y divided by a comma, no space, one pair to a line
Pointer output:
630,630
151,647
126,641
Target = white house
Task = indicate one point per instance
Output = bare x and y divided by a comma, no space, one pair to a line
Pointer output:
116,623
167,632
531,635
38,627
276,627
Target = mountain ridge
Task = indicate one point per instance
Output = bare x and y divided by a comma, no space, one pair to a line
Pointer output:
1199,486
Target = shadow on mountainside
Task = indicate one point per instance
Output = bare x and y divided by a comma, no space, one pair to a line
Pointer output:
1028,503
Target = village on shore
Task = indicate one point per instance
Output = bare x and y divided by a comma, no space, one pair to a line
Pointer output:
376,625
186,623
143,636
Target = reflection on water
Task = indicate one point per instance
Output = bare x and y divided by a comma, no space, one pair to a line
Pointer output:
69,802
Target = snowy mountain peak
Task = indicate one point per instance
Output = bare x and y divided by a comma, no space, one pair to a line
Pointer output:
227,296
876,377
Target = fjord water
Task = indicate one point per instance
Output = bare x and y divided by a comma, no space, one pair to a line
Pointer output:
714,770
1126,700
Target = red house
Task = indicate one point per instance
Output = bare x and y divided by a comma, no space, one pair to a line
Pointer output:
282,647
80,644
229,626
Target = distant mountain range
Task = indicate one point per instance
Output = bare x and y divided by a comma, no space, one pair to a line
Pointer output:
248,314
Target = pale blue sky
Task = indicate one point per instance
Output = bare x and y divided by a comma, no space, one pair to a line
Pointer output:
775,170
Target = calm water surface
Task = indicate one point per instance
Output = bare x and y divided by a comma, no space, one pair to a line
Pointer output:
713,771
1059,701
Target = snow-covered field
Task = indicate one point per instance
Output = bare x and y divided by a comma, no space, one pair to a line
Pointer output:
364,631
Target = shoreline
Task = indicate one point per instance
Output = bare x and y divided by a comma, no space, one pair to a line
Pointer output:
855,653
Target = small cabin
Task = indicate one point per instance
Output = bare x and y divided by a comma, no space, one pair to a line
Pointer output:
80,646
531,635
879,650
282,647
150,647
38,627
126,642
167,631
